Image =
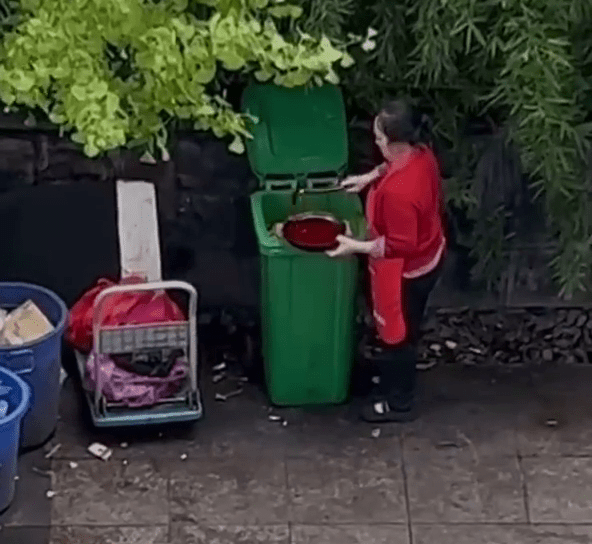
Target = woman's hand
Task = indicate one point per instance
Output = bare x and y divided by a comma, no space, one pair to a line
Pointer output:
347,246
350,246
356,184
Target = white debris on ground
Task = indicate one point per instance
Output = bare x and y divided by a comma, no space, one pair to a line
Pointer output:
100,451
53,451
224,397
219,368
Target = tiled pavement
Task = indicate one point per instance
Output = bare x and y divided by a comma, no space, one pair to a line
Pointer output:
494,459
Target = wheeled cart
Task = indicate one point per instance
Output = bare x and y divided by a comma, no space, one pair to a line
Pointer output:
136,340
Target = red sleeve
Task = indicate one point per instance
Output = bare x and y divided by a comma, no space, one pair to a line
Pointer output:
399,219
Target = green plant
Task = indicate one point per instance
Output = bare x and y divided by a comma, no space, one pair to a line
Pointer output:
116,72
519,67
9,10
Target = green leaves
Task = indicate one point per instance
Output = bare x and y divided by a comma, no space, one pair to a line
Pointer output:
20,80
328,54
347,60
113,72
520,65
523,59
282,11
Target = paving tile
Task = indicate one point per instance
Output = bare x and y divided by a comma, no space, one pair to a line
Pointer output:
75,433
558,489
562,382
24,535
30,506
461,486
337,430
74,439
553,425
240,425
501,534
347,489
569,439
110,493
555,417
456,384
238,491
350,534
109,535
487,428
208,534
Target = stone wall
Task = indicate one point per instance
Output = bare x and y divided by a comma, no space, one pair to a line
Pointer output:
211,240
206,229
205,225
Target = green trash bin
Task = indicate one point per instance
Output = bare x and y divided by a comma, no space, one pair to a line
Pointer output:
308,301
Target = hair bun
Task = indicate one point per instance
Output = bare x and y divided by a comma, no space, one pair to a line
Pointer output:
401,122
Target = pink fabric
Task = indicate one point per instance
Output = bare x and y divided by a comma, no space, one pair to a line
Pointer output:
119,385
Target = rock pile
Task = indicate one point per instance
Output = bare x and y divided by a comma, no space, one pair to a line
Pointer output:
514,337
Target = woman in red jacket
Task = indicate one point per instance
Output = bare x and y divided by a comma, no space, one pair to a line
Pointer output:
405,245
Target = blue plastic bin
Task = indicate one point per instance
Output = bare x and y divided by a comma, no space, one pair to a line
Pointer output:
10,427
38,362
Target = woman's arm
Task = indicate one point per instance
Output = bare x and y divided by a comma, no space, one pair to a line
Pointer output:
377,172
351,246
356,184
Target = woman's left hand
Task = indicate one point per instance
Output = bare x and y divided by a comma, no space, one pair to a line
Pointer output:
347,246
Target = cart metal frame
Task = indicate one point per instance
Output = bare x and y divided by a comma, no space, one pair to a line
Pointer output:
187,405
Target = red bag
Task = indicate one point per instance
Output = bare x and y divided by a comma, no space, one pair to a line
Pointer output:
120,309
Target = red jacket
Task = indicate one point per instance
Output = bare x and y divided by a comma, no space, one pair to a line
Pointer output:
408,214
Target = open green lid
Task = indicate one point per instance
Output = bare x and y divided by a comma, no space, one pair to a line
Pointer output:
301,132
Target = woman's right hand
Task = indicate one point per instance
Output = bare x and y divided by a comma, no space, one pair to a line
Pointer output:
356,184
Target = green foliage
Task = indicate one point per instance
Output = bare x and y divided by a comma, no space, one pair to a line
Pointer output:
9,15
123,71
521,66
116,72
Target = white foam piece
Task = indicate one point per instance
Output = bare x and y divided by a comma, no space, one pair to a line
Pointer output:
139,245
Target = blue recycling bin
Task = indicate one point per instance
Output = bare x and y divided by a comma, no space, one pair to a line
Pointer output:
38,363
18,399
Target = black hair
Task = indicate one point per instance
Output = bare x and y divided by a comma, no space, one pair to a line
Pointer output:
401,122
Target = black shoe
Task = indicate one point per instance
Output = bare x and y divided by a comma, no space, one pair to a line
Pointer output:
383,412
